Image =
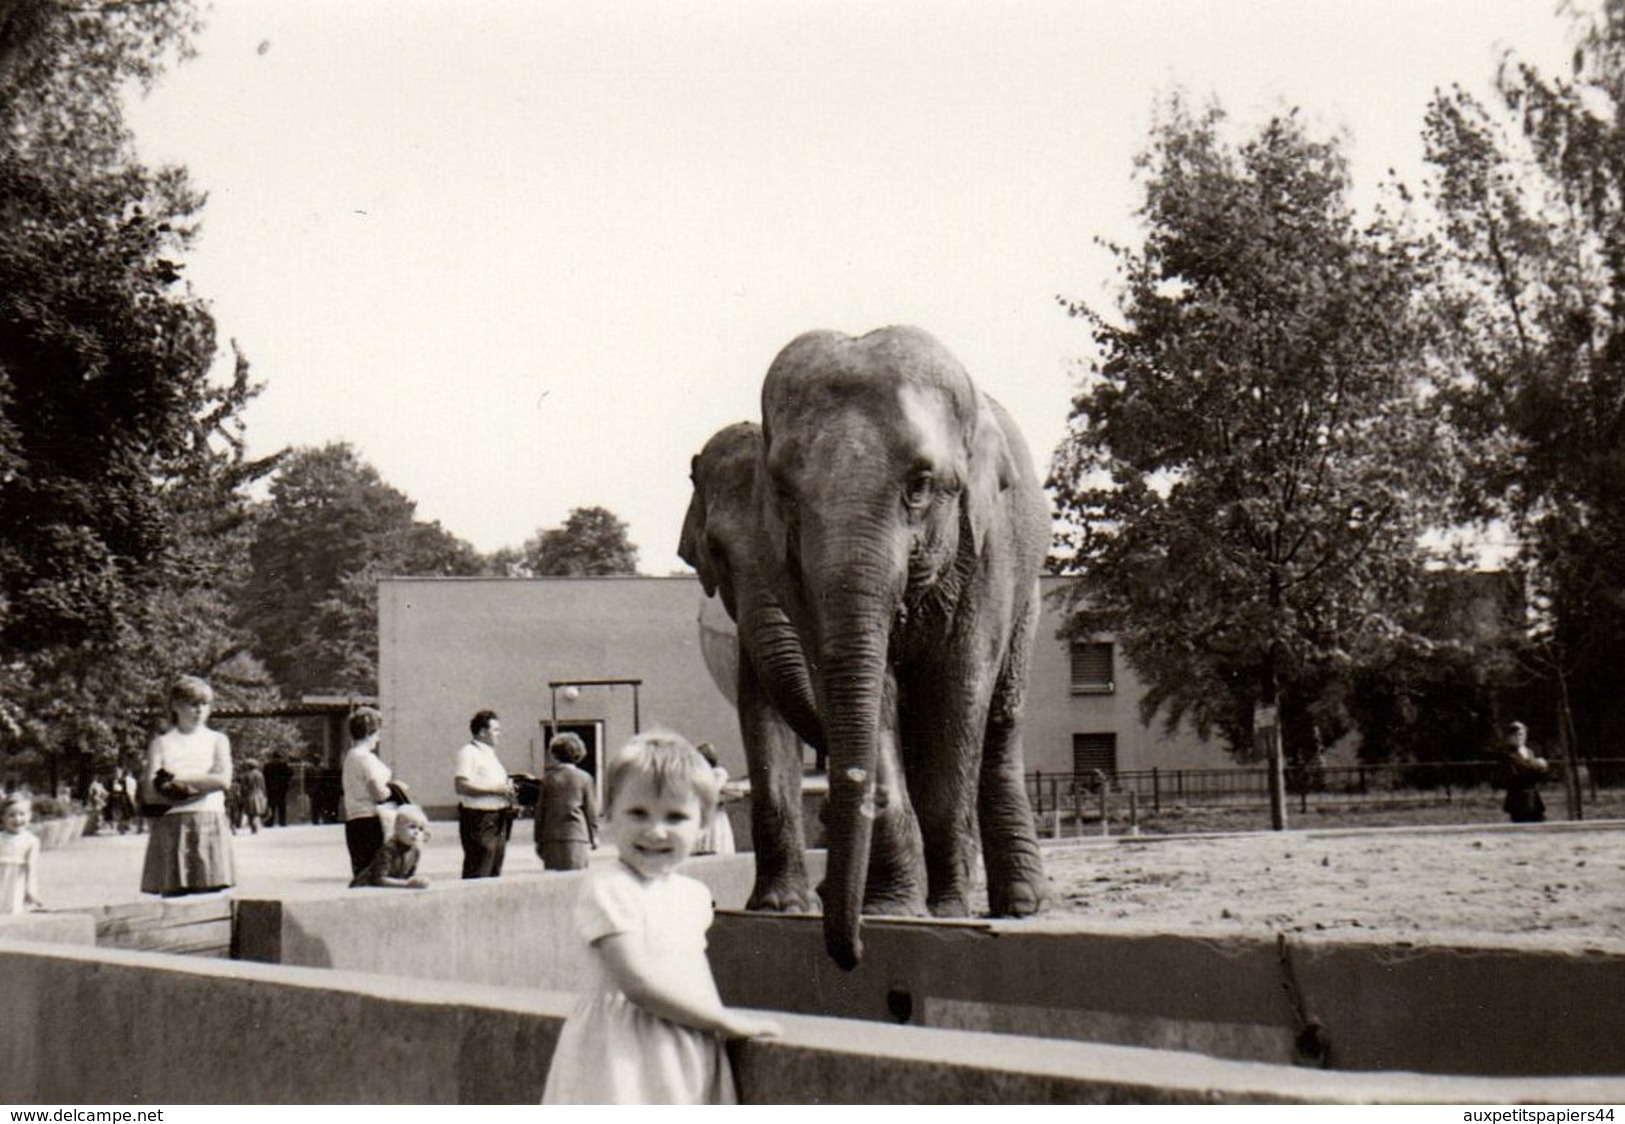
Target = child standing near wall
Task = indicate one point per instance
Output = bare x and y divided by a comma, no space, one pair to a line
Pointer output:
19,857
650,1027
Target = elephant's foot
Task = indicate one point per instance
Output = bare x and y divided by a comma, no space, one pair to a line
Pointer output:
1016,885
786,894
951,905
1018,898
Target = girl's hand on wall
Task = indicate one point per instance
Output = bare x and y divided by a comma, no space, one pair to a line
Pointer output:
745,1026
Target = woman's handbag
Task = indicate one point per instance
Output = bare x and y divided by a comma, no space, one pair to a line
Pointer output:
165,784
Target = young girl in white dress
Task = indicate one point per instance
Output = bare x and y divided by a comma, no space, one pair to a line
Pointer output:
19,857
650,1027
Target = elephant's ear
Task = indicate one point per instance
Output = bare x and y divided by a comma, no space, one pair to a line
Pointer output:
691,547
992,471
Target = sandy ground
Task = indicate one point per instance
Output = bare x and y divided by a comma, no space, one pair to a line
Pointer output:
1559,878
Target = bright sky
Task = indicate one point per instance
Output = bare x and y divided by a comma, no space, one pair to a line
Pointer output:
527,256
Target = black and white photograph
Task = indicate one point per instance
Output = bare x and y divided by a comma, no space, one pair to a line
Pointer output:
907,552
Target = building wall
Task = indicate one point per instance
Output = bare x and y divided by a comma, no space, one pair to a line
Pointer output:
1055,713
451,646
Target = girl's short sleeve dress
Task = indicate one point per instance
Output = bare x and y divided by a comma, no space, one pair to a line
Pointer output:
611,1051
16,853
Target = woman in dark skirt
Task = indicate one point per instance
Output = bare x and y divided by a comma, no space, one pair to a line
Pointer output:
188,770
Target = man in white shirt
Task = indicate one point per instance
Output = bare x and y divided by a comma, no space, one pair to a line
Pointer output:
486,799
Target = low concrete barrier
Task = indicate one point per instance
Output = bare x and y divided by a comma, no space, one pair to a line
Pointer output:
59,832
98,1026
445,932
189,1031
1339,1002
51,928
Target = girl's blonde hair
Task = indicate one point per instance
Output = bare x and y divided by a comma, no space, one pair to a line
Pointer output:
190,689
7,803
410,814
671,763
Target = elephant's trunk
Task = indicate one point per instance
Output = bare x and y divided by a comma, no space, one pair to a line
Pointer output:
777,648
852,649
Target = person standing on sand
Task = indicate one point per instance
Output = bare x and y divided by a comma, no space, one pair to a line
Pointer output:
1523,772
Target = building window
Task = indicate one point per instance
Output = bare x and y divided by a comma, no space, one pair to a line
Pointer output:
1092,752
1092,671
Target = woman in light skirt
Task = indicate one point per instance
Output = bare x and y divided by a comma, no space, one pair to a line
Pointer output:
188,769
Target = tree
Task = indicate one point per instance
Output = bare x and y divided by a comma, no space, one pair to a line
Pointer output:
331,528
121,460
592,542
1250,467
64,67
1532,207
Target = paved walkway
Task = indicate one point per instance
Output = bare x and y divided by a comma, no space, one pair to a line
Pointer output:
297,861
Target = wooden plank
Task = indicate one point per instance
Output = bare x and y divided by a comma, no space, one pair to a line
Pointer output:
178,938
130,926
137,932
190,941
178,927
165,917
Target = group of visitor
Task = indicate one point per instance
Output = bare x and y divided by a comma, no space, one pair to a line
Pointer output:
650,1003
374,802
112,803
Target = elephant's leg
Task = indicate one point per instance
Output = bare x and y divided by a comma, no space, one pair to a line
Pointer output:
896,881
773,754
1015,868
944,719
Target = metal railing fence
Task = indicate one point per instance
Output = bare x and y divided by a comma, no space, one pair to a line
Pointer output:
1314,786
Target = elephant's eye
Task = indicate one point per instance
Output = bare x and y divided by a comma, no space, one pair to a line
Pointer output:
919,489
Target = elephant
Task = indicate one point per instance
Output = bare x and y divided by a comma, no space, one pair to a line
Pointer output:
774,695
901,533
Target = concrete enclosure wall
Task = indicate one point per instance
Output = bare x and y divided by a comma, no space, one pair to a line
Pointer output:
148,1028
98,1026
1431,1007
